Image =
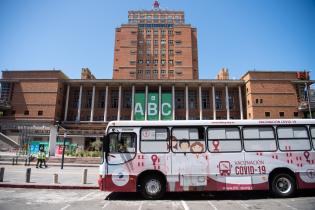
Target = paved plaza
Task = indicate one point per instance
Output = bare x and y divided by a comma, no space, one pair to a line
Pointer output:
33,199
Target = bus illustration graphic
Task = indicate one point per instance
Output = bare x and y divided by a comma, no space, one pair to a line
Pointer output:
225,168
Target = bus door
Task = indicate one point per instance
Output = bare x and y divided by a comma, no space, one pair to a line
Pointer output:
225,147
189,158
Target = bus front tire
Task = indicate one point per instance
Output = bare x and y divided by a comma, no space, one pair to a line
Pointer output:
283,185
152,187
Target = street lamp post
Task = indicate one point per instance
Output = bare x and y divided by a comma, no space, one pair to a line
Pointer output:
63,149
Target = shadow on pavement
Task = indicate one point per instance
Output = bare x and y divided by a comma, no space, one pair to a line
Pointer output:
235,195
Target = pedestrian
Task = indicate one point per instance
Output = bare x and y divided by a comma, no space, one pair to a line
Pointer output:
41,158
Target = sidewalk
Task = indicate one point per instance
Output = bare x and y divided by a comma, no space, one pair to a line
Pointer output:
69,177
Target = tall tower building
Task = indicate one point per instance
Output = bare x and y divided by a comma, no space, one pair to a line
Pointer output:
156,44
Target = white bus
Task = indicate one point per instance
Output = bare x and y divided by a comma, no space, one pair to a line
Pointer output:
154,157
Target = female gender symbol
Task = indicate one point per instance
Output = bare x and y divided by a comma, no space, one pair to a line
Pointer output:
154,159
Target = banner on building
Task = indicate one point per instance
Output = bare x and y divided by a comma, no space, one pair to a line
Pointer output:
139,107
153,106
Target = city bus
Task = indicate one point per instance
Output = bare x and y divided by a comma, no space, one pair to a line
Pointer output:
154,157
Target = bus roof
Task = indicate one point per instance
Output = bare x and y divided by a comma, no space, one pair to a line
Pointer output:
211,122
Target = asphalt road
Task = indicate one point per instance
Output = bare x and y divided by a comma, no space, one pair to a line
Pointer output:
27,199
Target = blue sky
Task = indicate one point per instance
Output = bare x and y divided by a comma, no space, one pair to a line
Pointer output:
241,35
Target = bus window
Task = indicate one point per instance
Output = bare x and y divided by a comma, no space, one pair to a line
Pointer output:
154,140
224,139
293,138
260,139
313,136
122,143
188,140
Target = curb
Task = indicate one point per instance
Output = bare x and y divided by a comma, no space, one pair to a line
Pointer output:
54,165
39,186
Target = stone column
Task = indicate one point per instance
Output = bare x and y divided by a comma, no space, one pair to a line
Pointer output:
213,103
106,102
227,104
146,103
200,103
160,102
241,103
119,103
67,103
132,102
52,140
79,104
92,105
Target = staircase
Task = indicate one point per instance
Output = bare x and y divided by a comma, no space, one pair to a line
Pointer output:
6,141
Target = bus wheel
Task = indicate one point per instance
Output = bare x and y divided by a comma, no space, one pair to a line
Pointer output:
283,185
152,187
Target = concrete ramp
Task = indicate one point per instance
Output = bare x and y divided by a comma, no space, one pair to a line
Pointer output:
7,140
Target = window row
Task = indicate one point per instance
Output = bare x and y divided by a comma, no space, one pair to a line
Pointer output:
226,139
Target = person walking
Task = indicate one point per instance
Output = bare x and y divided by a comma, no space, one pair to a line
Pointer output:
41,158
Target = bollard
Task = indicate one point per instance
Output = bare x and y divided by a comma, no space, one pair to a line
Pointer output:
56,179
1,174
84,177
28,175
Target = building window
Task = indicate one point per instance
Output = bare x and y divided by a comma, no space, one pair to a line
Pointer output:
40,113
156,52
163,42
170,62
148,42
140,52
192,99
148,32
178,52
156,32
171,71
205,100
261,100
231,101
139,71
156,62
26,112
218,101
163,32
296,114
179,99
13,112
281,114
88,99
148,52
140,61
257,100
114,99
156,42
163,62
163,52
170,42
163,71
178,42
126,99
148,62
132,62
170,32
140,42
178,32
178,63
101,99
155,71
171,52
75,102
267,114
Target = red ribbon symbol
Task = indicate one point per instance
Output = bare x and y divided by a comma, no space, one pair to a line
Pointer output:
154,159
306,155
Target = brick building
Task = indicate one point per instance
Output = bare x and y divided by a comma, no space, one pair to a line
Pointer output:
156,44
31,102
